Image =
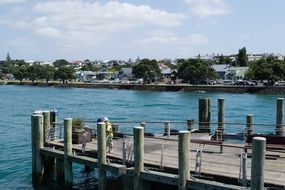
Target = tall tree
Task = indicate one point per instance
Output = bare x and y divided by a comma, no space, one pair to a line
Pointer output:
49,73
242,59
195,70
35,72
21,72
60,63
65,73
8,58
147,70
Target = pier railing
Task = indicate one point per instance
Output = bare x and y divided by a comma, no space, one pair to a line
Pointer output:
160,152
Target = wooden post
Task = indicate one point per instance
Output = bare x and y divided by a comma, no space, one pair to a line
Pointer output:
190,124
279,117
59,169
101,134
183,159
67,151
143,124
249,121
167,128
53,120
37,144
257,163
209,113
203,115
138,157
221,115
46,115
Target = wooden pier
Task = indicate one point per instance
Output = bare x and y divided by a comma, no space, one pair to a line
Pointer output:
186,160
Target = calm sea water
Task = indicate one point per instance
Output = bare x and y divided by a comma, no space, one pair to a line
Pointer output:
18,102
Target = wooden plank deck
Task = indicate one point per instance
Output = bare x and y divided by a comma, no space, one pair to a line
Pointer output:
225,164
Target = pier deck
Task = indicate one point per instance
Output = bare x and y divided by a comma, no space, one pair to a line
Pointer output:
224,164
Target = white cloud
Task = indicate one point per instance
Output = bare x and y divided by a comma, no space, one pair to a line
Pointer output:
158,38
197,39
206,8
22,44
166,38
3,2
78,22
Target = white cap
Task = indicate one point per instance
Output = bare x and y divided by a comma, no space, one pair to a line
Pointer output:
105,119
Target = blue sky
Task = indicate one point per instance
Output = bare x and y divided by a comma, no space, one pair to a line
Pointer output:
123,29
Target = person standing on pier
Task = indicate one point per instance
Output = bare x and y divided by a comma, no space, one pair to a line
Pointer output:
109,134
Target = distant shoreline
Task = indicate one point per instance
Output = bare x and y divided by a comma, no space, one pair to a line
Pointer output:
160,87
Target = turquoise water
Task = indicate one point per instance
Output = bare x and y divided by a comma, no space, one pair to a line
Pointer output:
18,102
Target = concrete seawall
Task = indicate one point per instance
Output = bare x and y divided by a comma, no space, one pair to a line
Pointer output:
161,87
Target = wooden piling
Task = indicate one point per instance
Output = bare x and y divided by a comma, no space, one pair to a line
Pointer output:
138,157
183,159
257,163
279,117
37,144
53,120
221,115
167,128
190,124
204,115
209,113
67,151
101,134
249,122
46,126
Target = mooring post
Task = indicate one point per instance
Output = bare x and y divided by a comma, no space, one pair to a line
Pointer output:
138,157
167,129
257,163
37,144
183,159
46,115
249,122
209,114
53,120
101,133
190,124
279,117
203,115
124,153
221,115
67,151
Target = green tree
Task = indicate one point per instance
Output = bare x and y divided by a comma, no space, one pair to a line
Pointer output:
89,67
60,63
8,68
21,72
242,59
35,72
147,70
1,75
8,58
65,73
224,60
195,70
48,73
268,68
